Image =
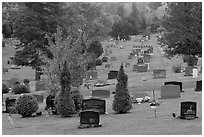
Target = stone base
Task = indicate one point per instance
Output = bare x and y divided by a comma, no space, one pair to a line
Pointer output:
82,126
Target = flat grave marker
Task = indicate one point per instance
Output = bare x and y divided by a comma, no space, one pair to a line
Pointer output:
174,83
185,106
198,85
100,93
159,73
94,104
170,91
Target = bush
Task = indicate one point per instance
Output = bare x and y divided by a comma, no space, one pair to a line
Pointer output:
122,102
105,59
177,69
99,62
5,88
26,81
77,97
19,89
26,105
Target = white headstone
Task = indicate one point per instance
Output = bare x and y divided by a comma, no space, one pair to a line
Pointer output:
195,73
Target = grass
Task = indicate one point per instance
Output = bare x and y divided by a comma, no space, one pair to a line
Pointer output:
140,120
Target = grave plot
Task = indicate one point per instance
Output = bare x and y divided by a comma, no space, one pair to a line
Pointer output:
89,119
170,91
188,110
94,104
159,73
198,85
91,75
113,74
174,83
100,94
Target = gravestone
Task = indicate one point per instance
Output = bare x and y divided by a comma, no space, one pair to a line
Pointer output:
174,83
100,93
94,104
195,73
39,98
91,75
40,86
185,106
113,74
147,58
198,85
89,119
170,91
113,59
159,73
142,68
50,102
10,105
188,71
148,66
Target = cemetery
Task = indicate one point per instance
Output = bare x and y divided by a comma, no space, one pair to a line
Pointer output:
134,91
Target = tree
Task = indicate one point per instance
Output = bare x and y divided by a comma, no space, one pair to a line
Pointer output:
183,26
64,104
32,22
95,48
122,102
154,5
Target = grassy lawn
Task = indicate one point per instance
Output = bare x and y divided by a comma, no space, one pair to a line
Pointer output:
140,120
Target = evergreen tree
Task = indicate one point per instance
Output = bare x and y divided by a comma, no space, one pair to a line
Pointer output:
122,102
64,104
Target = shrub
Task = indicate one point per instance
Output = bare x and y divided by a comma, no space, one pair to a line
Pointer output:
177,69
122,102
63,102
77,97
99,62
5,88
105,59
26,105
19,89
26,81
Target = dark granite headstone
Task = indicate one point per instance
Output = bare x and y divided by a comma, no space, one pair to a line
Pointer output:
10,105
142,67
174,83
185,106
39,98
50,102
100,93
89,118
113,74
159,73
94,104
198,85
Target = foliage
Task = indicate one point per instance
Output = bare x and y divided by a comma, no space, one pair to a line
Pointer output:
177,69
77,97
191,60
154,5
183,26
19,89
5,88
64,104
26,105
95,48
122,102
26,81
105,59
99,62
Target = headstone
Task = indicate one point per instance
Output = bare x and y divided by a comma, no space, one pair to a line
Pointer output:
50,102
174,83
39,98
113,74
94,104
100,93
147,58
89,118
113,59
10,105
159,73
189,71
198,85
148,66
170,91
91,75
40,86
142,68
185,106
195,73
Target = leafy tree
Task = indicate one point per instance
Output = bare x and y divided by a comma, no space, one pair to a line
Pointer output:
121,10
96,48
154,5
183,29
32,22
122,102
